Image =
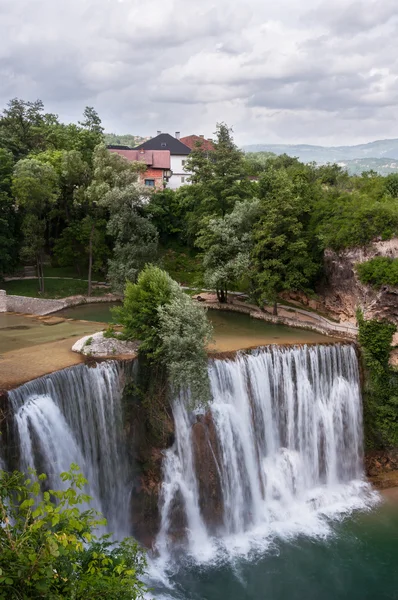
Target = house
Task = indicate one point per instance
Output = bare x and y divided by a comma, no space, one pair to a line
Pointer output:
192,141
179,153
156,161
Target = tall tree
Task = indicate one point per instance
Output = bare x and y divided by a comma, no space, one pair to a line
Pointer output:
282,255
24,127
219,179
35,188
115,191
227,243
9,221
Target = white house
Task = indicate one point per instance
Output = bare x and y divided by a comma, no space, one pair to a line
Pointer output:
178,155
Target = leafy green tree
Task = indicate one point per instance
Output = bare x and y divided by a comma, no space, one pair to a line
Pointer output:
35,188
49,546
106,169
283,257
391,184
219,178
72,247
115,191
349,219
167,214
9,222
172,330
227,243
24,127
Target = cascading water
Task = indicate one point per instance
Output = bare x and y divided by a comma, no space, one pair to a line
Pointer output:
287,450
75,416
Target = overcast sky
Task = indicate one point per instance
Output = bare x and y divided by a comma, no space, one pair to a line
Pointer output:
289,71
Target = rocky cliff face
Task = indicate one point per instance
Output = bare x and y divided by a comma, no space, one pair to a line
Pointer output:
342,292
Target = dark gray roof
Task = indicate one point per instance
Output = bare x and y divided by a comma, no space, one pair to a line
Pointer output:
165,141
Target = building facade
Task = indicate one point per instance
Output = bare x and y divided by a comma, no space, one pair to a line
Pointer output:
179,153
157,163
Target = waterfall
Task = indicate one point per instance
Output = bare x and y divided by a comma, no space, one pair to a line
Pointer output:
75,416
286,448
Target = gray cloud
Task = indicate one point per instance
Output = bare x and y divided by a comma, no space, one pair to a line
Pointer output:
319,73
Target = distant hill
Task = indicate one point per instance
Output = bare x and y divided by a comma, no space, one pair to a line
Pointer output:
124,140
381,155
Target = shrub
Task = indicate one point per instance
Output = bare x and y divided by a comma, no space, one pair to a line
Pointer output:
381,383
173,330
379,271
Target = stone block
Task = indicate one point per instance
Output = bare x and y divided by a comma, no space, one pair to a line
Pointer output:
3,301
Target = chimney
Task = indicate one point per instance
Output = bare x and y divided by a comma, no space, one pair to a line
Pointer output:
158,132
178,135
202,136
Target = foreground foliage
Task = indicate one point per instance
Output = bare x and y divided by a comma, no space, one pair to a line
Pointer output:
381,383
49,547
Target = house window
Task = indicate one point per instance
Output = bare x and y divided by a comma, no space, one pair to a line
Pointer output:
183,163
182,179
163,144
150,182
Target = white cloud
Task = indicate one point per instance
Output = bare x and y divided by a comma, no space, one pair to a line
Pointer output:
287,71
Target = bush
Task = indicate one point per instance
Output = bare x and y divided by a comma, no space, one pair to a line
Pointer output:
381,383
379,271
173,331
49,548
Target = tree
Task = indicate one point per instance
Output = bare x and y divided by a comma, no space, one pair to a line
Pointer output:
166,212
35,187
24,127
115,191
391,184
49,547
136,238
219,178
9,223
106,168
227,243
172,330
283,257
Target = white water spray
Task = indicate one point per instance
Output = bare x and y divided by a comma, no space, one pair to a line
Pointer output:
288,449
75,416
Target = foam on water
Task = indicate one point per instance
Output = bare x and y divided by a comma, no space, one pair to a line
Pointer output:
289,453
75,416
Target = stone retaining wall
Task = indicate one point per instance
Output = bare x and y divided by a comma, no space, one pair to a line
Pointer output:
326,328
43,306
33,306
3,301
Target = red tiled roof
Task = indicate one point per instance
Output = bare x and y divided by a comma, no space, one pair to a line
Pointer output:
157,159
192,140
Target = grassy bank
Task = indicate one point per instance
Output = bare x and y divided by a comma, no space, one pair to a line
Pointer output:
54,288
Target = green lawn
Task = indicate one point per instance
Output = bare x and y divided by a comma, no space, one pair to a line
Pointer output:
54,288
68,272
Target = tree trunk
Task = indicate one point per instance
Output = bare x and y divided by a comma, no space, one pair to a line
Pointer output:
40,273
275,311
90,260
